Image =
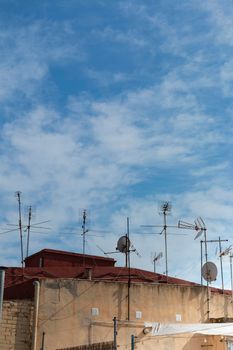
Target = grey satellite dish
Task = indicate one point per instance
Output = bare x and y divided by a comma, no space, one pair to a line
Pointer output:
122,245
209,271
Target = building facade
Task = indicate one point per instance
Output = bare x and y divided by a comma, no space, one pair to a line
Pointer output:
74,307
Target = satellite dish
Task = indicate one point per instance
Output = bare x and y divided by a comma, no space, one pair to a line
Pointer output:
122,245
209,271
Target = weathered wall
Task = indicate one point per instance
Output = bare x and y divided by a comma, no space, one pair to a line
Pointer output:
66,313
16,325
95,346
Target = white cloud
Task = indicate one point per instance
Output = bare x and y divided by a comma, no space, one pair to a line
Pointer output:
162,137
28,52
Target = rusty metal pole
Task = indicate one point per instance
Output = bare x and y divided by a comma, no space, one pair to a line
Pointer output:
2,282
114,333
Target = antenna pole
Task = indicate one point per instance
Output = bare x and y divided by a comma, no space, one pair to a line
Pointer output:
114,333
205,240
28,228
84,234
220,251
231,256
165,236
220,254
207,282
129,271
154,260
201,242
18,194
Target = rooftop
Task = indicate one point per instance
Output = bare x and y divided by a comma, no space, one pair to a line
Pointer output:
19,281
63,254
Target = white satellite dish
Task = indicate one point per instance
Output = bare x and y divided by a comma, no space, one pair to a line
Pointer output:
122,245
209,271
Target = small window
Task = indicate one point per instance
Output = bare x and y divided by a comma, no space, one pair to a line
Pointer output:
95,311
138,315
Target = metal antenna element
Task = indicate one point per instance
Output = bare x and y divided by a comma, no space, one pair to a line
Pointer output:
199,227
165,209
228,251
102,250
84,233
221,253
28,229
135,250
128,264
18,196
231,256
156,259
125,246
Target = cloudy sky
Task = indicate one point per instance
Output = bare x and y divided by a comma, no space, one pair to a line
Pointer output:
116,106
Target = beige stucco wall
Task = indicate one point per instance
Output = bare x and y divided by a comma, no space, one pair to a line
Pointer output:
16,325
65,313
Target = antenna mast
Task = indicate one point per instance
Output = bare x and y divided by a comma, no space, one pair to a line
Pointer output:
18,195
165,209
84,233
221,253
155,259
128,265
28,228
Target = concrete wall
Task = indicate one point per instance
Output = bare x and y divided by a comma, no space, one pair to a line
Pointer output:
16,325
79,312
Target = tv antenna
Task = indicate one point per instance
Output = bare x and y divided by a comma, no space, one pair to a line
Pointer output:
156,258
219,241
18,196
198,226
125,246
165,209
28,229
206,270
228,251
24,228
84,231
209,272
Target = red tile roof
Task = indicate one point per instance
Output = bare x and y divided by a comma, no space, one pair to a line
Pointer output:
63,252
19,282
53,257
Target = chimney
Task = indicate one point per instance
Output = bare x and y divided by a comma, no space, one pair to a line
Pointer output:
88,273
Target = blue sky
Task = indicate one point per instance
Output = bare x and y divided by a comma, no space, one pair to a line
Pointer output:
115,106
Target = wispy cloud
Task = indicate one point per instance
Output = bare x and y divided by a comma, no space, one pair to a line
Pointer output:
28,53
114,113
